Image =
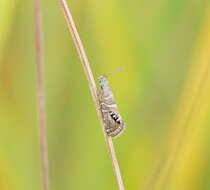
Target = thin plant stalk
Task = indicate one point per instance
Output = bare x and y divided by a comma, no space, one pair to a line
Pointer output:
92,85
40,93
185,123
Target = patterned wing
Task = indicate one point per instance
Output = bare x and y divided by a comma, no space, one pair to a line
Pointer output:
114,125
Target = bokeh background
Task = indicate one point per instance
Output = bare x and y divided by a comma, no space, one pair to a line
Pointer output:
163,95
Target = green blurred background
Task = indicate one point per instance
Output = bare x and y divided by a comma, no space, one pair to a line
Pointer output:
163,95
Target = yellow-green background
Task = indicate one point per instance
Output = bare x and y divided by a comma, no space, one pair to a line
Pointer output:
163,95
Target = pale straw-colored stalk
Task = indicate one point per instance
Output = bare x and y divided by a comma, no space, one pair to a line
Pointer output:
41,94
92,85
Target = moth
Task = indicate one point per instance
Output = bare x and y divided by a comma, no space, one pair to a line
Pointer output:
113,122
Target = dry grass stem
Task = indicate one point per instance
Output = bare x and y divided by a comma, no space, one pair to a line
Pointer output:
92,86
40,93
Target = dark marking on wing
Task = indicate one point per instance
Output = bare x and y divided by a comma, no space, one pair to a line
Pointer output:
115,117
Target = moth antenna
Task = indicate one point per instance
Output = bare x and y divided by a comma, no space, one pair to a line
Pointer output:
115,71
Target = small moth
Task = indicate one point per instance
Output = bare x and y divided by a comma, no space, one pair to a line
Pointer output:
114,124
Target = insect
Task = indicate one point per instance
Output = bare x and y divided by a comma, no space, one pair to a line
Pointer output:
113,122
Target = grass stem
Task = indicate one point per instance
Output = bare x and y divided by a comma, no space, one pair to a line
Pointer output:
92,86
40,93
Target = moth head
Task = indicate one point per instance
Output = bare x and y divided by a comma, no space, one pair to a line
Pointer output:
103,81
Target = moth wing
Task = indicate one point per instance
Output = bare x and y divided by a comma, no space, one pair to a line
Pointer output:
112,127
